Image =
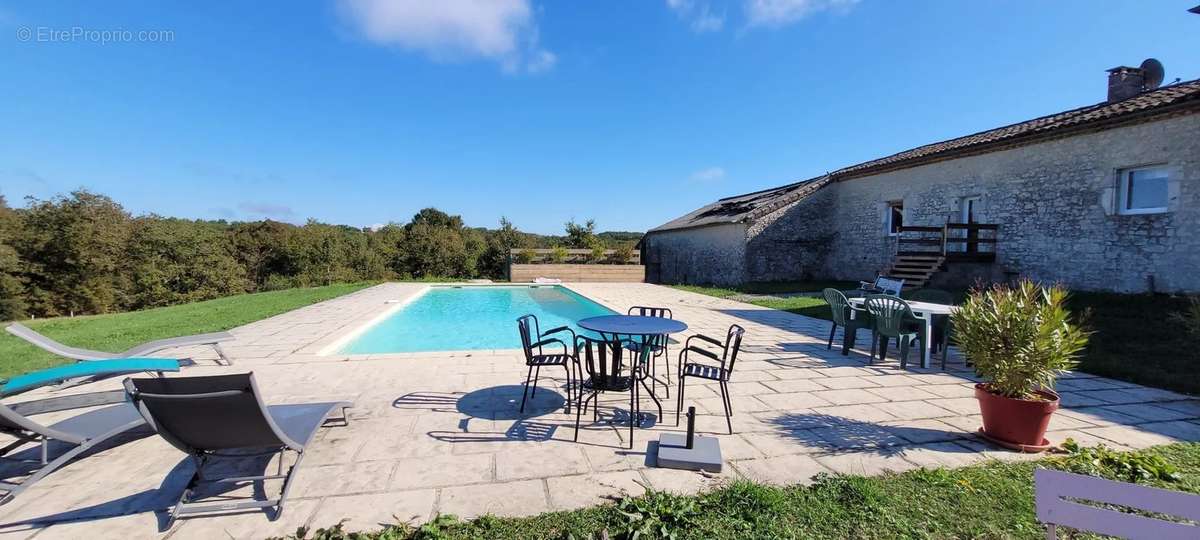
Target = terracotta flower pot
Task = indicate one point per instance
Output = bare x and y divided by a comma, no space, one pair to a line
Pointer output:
1019,424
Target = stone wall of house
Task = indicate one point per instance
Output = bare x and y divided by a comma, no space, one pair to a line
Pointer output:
713,254
1055,203
794,242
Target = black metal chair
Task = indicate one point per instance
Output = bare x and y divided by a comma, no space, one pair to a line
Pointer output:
601,362
719,373
532,342
658,345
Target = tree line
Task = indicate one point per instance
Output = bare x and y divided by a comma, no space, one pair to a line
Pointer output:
83,253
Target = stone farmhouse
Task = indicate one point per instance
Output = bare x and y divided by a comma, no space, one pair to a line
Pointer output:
1103,197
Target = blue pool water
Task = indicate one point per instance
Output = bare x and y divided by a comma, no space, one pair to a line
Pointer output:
471,318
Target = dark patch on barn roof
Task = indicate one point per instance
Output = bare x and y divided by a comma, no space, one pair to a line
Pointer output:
745,207
1179,97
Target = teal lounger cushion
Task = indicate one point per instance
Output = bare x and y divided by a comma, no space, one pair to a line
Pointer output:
89,368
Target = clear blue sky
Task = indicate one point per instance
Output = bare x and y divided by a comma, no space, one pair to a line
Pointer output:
630,112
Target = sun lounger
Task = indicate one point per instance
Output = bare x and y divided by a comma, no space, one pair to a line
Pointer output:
83,431
146,349
224,416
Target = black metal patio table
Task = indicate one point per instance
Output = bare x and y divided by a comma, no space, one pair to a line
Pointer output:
613,327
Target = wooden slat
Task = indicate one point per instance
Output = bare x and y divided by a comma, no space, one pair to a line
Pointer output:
1053,488
543,254
623,273
971,240
973,226
920,228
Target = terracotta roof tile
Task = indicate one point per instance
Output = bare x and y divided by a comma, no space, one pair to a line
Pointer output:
751,206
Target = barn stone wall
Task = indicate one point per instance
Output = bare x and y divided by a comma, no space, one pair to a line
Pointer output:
794,242
1055,203
712,255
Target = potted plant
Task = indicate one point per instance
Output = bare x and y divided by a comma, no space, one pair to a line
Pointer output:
1020,338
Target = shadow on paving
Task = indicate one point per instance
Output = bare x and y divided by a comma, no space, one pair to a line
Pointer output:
166,495
14,467
783,320
502,403
836,434
495,403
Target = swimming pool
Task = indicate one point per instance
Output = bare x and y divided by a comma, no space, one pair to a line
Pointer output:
472,318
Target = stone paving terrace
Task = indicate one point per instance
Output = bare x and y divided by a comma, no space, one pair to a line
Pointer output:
440,432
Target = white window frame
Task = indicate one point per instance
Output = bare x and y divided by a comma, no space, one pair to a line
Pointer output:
887,221
1123,178
964,205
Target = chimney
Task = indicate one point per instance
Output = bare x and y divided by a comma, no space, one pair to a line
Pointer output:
1125,82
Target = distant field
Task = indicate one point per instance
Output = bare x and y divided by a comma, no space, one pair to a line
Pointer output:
1134,336
120,331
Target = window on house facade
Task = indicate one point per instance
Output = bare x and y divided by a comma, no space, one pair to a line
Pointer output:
1142,190
895,217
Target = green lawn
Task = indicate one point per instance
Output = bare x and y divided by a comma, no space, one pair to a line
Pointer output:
769,287
1134,337
120,331
991,500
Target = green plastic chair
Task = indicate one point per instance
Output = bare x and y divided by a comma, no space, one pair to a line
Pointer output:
841,316
894,319
941,323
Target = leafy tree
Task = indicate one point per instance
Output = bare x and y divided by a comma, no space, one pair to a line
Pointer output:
581,236
624,253
82,253
76,249
261,248
432,251
389,243
321,254
494,260
12,300
175,261
437,244
437,218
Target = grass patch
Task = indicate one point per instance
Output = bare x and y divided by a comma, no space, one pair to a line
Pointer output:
1135,338
1140,338
120,331
991,500
768,287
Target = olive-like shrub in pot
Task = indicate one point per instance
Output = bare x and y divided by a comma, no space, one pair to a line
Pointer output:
1020,338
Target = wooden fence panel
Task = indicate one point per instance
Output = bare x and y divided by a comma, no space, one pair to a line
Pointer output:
575,273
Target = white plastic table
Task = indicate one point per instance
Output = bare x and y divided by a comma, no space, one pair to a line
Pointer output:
924,310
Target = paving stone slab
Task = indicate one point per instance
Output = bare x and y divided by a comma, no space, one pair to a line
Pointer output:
780,470
521,498
447,424
373,512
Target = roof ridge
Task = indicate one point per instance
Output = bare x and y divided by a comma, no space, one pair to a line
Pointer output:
1170,99
1058,116
776,188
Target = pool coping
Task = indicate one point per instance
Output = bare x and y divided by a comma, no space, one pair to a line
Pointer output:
328,347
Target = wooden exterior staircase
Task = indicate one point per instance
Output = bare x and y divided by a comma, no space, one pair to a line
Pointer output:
915,270
922,251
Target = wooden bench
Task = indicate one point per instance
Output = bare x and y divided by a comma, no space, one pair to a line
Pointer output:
882,285
1058,495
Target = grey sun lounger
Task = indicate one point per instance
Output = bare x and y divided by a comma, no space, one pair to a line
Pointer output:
146,349
224,416
81,432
